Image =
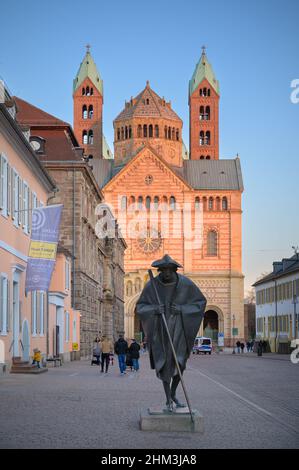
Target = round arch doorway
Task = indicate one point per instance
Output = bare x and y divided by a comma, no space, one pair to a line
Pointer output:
211,325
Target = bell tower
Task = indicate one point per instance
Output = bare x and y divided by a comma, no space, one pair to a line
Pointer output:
88,107
204,112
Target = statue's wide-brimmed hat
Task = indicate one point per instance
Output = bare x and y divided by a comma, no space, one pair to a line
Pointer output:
166,262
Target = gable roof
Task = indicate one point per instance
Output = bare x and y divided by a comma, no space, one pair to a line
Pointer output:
281,269
30,115
156,107
214,174
117,170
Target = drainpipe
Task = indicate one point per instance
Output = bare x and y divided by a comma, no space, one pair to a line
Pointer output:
55,190
275,315
73,250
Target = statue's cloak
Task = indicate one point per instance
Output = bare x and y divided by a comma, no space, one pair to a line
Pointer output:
183,326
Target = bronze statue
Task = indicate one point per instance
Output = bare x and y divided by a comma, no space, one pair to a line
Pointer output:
170,308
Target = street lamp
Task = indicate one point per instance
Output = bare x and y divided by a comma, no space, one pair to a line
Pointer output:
295,301
234,352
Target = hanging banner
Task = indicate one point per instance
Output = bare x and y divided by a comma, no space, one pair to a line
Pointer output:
43,246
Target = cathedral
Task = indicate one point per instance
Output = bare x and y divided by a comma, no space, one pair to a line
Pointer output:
166,199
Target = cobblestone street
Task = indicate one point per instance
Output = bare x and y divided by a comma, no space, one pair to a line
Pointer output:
247,402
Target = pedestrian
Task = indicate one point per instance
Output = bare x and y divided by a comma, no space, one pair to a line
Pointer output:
37,357
96,352
260,348
252,345
242,347
248,346
107,348
238,346
121,349
134,353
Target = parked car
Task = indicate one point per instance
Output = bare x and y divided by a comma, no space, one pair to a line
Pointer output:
203,345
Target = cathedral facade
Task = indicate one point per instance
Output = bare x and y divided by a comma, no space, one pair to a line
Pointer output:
167,200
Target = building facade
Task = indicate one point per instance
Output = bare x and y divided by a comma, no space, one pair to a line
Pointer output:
94,260
277,310
24,184
151,176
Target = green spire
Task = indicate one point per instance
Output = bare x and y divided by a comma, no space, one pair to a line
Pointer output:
203,70
88,69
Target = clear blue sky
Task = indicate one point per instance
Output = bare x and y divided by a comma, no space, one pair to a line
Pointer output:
253,47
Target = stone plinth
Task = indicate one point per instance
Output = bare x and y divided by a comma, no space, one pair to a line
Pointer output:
157,419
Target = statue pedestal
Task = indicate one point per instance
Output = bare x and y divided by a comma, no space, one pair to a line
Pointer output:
158,419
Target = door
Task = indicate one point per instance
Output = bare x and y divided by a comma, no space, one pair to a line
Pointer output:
15,318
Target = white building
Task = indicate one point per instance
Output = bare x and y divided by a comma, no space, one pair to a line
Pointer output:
277,307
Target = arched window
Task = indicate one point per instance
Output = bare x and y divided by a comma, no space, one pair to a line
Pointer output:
204,92
87,91
132,203
130,132
165,132
122,133
147,101
173,133
139,131
201,137
208,138
148,202
84,111
90,157
207,114
156,130
169,132
197,202
138,285
201,113
129,288
140,202
84,137
145,130
150,130
156,202
217,203
118,133
90,137
212,243
90,111
123,203
211,203
200,92
202,157
83,91
208,92
177,135
224,204
204,201
91,91
126,132
208,157
172,202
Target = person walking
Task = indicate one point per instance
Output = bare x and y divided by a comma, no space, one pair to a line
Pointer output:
238,346
134,353
248,346
121,348
242,347
107,348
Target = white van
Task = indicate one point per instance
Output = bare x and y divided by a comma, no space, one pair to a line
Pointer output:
202,344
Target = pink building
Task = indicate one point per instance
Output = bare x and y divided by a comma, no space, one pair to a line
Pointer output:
28,322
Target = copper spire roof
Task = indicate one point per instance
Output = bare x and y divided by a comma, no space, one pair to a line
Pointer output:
147,104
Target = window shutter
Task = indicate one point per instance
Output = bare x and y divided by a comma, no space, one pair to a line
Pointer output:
20,189
20,316
1,181
30,199
13,194
38,312
1,303
24,213
8,189
8,307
